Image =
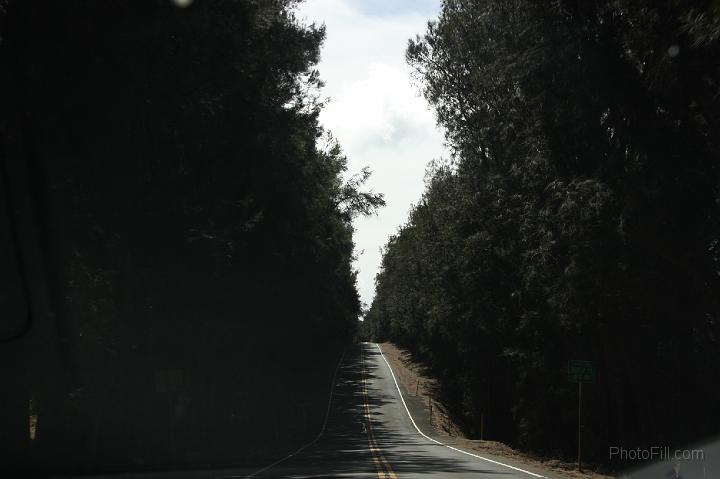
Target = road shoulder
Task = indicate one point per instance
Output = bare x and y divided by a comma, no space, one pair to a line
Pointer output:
433,419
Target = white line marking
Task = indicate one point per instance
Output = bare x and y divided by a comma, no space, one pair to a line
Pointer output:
435,440
322,430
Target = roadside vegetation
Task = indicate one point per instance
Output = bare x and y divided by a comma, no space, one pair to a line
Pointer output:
195,225
578,218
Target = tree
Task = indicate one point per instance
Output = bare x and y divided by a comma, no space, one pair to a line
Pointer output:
580,221
192,229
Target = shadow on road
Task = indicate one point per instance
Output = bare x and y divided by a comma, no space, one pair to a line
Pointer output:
343,450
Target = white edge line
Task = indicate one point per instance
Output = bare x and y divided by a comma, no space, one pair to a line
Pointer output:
435,440
302,448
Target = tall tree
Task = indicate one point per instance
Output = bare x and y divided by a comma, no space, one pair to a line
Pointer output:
195,231
580,219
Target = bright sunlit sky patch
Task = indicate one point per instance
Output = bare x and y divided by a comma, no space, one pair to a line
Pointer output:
375,112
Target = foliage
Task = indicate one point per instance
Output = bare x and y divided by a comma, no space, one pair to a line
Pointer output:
190,222
581,220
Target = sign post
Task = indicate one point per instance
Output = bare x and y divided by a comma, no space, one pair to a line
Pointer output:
580,427
580,372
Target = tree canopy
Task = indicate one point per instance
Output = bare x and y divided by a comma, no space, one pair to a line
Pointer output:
578,218
195,229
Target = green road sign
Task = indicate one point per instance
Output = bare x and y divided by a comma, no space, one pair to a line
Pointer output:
581,371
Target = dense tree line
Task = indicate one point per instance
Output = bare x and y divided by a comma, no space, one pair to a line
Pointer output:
193,225
579,218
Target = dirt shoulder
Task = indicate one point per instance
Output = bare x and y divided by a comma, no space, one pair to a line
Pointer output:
433,418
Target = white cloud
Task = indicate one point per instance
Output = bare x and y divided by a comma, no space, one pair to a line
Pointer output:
375,112
379,109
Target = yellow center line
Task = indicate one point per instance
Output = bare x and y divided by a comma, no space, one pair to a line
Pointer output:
384,470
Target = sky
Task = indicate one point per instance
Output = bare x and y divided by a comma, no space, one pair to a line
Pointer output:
375,111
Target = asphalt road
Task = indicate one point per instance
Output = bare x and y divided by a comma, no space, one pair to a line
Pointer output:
369,434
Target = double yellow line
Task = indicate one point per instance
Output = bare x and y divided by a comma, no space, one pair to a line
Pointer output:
384,471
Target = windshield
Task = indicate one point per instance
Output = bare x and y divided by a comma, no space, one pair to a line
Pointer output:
335,238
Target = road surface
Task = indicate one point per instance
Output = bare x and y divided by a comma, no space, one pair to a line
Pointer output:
369,434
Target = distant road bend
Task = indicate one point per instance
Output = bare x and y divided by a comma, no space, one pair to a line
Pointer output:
369,433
